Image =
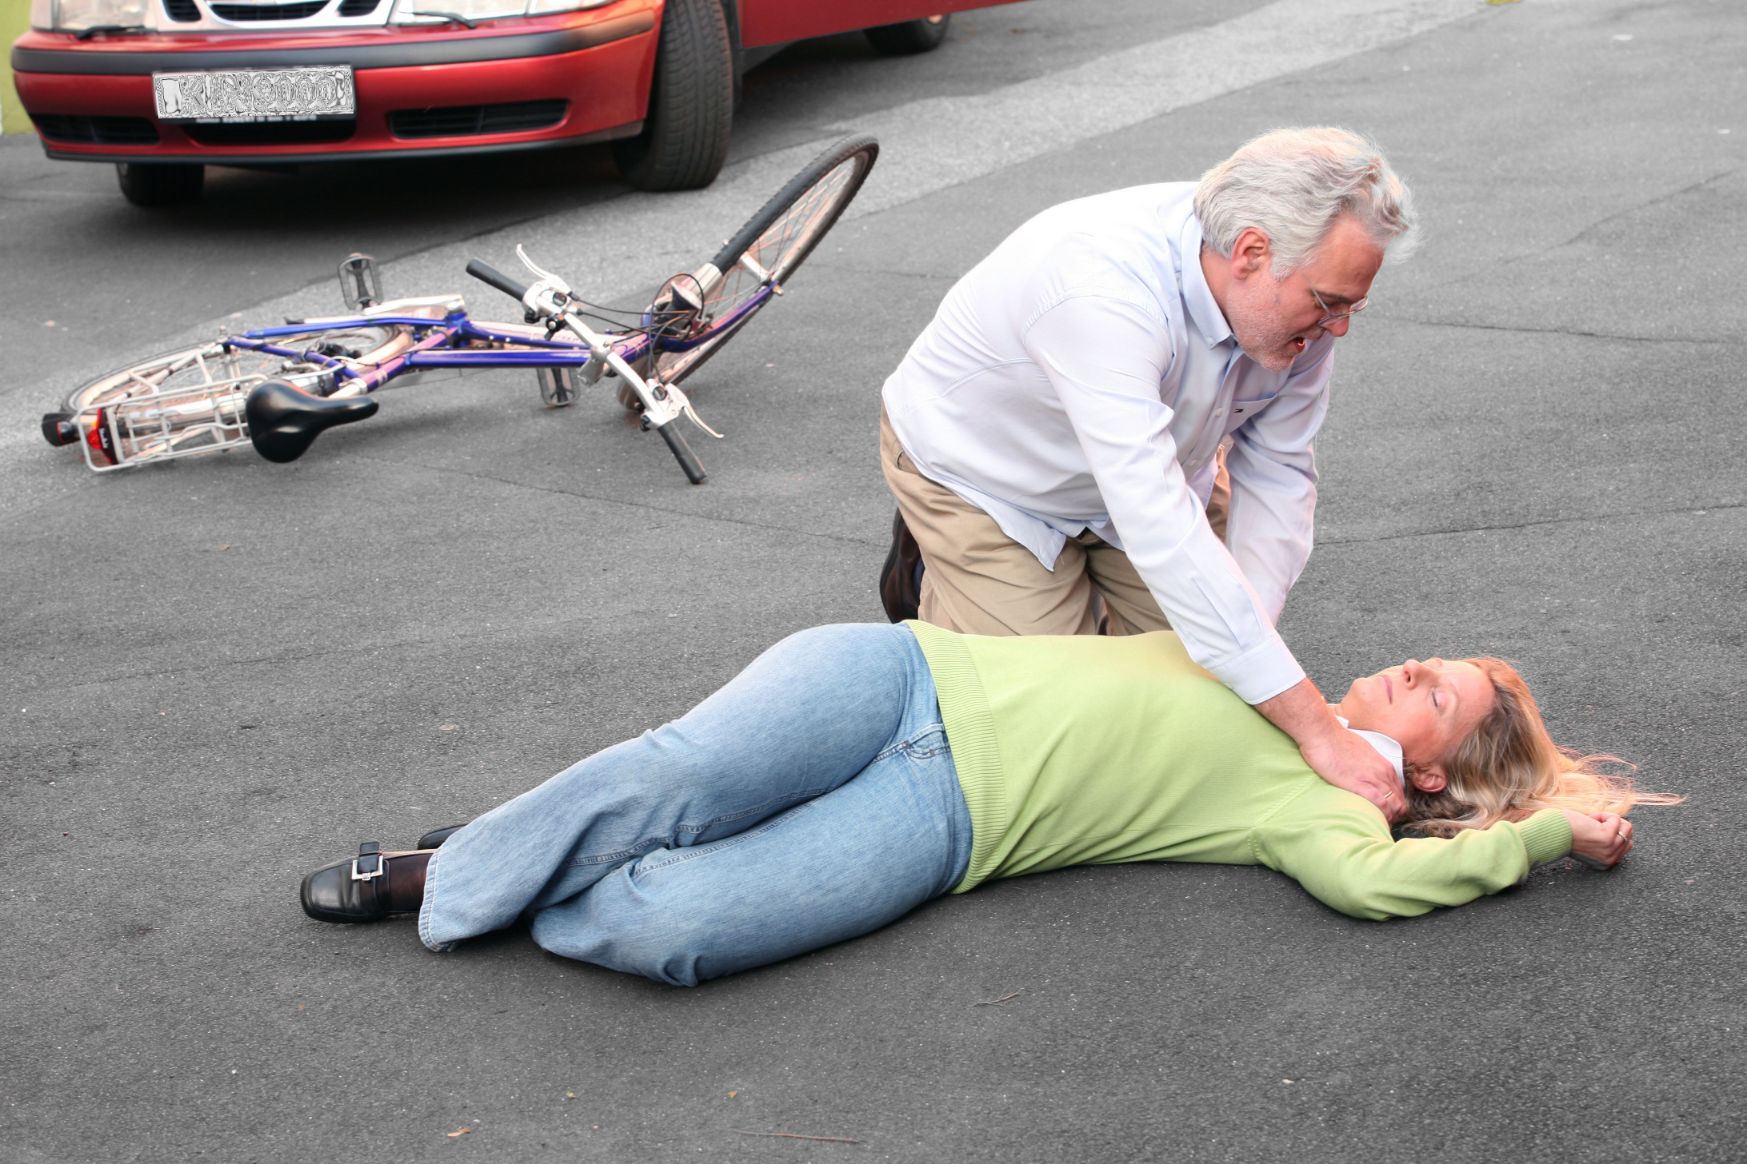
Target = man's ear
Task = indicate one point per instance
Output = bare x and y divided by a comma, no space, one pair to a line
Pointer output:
1251,253
1430,778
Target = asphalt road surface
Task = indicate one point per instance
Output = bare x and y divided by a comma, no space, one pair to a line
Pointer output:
217,675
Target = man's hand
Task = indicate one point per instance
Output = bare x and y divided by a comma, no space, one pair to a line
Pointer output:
1599,839
1347,761
1339,757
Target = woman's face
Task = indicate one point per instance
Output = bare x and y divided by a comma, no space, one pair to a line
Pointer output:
1428,708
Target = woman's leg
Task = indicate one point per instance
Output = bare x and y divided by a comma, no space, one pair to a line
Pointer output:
804,717
827,870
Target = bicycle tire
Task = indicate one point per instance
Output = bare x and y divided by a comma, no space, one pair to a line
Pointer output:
190,367
193,400
779,237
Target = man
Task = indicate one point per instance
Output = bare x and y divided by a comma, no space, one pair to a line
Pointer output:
1052,437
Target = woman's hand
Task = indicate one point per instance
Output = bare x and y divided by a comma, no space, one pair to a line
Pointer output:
1599,839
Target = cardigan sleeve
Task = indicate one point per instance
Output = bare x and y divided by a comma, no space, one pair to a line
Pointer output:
1344,855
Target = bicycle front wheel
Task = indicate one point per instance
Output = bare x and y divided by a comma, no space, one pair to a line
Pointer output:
769,248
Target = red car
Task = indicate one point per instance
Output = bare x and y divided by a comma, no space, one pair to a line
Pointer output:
164,88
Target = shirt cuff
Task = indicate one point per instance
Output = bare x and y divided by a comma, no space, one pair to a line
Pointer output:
1260,673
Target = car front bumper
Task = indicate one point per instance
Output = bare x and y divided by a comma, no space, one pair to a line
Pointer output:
561,79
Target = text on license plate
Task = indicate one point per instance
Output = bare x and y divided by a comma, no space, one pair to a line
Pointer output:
255,94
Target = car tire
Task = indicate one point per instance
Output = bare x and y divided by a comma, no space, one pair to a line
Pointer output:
169,184
909,37
691,102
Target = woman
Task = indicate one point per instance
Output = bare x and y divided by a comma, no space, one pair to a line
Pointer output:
853,772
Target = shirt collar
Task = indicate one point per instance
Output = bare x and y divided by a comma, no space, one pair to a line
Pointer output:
1385,745
1197,295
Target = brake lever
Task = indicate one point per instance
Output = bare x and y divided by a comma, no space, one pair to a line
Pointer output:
547,277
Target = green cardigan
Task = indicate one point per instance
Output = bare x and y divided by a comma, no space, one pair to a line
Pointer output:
1088,750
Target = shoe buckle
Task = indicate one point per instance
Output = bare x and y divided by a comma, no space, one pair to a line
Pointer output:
361,875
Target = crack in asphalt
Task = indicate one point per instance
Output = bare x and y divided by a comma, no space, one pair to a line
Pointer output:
1660,198
1601,335
1683,510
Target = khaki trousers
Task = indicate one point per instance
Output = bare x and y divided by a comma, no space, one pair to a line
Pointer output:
977,580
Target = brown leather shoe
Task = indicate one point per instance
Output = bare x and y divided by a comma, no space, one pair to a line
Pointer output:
901,576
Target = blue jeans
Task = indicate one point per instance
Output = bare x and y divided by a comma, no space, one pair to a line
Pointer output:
811,800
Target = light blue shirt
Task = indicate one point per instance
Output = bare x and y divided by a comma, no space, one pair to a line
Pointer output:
1082,377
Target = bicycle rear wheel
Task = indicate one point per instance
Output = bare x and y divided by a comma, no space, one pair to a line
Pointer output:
775,240
214,364
192,400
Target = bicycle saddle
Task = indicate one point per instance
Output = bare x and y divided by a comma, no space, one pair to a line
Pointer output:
284,421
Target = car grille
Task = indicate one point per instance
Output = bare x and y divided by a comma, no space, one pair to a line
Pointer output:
188,12
269,132
469,120
96,130
243,13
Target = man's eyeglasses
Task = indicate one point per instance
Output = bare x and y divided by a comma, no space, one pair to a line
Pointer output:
1329,317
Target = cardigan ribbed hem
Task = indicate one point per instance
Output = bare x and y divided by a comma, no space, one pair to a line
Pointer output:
970,731
1546,835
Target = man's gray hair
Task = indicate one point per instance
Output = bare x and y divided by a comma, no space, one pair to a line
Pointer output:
1293,184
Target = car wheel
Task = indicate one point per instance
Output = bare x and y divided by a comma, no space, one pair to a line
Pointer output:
909,36
160,185
691,103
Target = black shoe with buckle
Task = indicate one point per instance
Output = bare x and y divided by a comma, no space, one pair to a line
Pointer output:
901,576
354,890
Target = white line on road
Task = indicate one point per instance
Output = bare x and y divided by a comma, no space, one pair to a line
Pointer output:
630,243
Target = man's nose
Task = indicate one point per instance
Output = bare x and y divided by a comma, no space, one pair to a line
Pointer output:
1338,327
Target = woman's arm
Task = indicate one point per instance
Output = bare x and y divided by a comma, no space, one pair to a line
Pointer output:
1347,859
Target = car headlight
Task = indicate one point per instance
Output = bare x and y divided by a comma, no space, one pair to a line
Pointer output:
75,14
438,11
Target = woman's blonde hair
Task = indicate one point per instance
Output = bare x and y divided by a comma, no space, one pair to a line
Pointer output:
1509,768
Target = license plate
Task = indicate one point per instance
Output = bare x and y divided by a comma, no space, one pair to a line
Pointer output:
255,94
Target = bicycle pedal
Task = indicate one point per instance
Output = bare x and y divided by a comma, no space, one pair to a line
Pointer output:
359,285
559,386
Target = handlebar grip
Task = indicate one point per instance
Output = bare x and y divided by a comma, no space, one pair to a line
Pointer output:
682,453
486,273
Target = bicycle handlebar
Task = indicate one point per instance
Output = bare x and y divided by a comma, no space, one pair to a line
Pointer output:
688,461
682,453
486,273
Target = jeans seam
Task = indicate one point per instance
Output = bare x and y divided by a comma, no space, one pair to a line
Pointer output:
775,806
691,853
913,747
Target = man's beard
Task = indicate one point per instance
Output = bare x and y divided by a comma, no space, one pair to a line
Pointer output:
1261,334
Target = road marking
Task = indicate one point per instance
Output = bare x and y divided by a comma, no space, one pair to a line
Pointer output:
627,245
624,246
